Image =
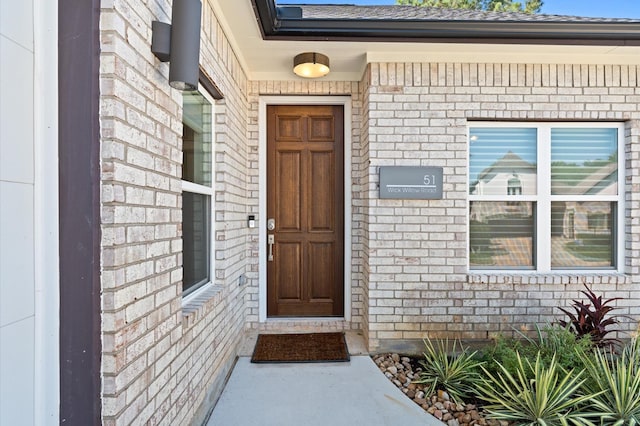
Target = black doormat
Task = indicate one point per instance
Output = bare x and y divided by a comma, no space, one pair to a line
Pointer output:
309,347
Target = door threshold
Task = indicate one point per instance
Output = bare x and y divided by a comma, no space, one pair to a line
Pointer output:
305,319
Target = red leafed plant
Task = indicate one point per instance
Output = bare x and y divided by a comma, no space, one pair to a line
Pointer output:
591,318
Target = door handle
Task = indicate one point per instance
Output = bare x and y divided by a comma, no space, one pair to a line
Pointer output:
271,242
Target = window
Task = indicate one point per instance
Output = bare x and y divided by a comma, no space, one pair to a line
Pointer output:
545,196
197,190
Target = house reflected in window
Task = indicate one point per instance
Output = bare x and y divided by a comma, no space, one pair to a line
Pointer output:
514,185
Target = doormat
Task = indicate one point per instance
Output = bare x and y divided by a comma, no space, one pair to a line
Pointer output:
309,347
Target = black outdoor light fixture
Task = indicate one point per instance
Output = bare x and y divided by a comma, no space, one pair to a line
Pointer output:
179,43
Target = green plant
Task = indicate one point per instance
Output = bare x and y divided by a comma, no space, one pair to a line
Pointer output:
458,373
559,342
591,318
617,383
632,352
529,6
502,353
549,398
550,341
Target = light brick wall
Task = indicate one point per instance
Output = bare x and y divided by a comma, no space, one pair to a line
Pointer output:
163,363
361,206
418,113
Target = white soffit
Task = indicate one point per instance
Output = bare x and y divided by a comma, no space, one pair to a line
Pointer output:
273,59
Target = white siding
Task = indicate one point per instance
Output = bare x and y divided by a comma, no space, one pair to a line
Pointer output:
17,245
22,223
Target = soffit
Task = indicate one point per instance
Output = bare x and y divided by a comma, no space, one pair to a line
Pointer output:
271,59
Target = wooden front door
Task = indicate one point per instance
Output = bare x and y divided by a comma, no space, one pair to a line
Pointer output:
305,203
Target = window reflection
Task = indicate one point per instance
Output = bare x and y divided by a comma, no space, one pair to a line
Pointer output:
196,216
570,217
196,139
582,234
503,161
584,162
197,175
501,234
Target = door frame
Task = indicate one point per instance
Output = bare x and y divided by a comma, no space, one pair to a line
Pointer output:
345,101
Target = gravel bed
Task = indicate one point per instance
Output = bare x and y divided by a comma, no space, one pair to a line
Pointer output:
402,371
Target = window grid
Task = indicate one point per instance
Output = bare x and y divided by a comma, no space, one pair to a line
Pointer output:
200,171
543,199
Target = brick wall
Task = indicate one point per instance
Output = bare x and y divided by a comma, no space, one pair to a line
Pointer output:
163,361
361,206
418,283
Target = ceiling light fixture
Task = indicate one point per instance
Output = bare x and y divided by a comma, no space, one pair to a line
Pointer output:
311,65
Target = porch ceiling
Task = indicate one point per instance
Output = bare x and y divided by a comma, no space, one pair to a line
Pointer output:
271,59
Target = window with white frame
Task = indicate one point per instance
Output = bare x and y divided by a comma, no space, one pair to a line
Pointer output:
546,196
197,190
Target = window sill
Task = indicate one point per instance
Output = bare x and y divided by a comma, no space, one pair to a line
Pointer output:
201,302
520,277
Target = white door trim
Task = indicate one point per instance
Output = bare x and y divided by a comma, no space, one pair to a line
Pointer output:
345,101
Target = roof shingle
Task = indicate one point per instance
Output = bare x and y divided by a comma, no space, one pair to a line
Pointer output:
416,13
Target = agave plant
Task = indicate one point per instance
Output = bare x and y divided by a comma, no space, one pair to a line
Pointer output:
550,398
617,382
592,318
457,374
632,352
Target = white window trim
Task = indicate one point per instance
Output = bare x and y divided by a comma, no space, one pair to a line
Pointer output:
210,191
543,221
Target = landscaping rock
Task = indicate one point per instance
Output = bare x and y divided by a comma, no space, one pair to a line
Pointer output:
402,372
421,402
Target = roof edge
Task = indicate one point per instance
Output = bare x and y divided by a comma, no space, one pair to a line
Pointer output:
278,23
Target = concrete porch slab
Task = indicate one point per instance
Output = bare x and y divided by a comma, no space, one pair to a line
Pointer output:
338,394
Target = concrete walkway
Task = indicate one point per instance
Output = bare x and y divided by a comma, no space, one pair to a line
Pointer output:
324,394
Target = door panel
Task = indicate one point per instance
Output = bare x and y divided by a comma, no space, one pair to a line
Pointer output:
321,271
322,190
289,272
289,128
321,129
289,190
305,196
